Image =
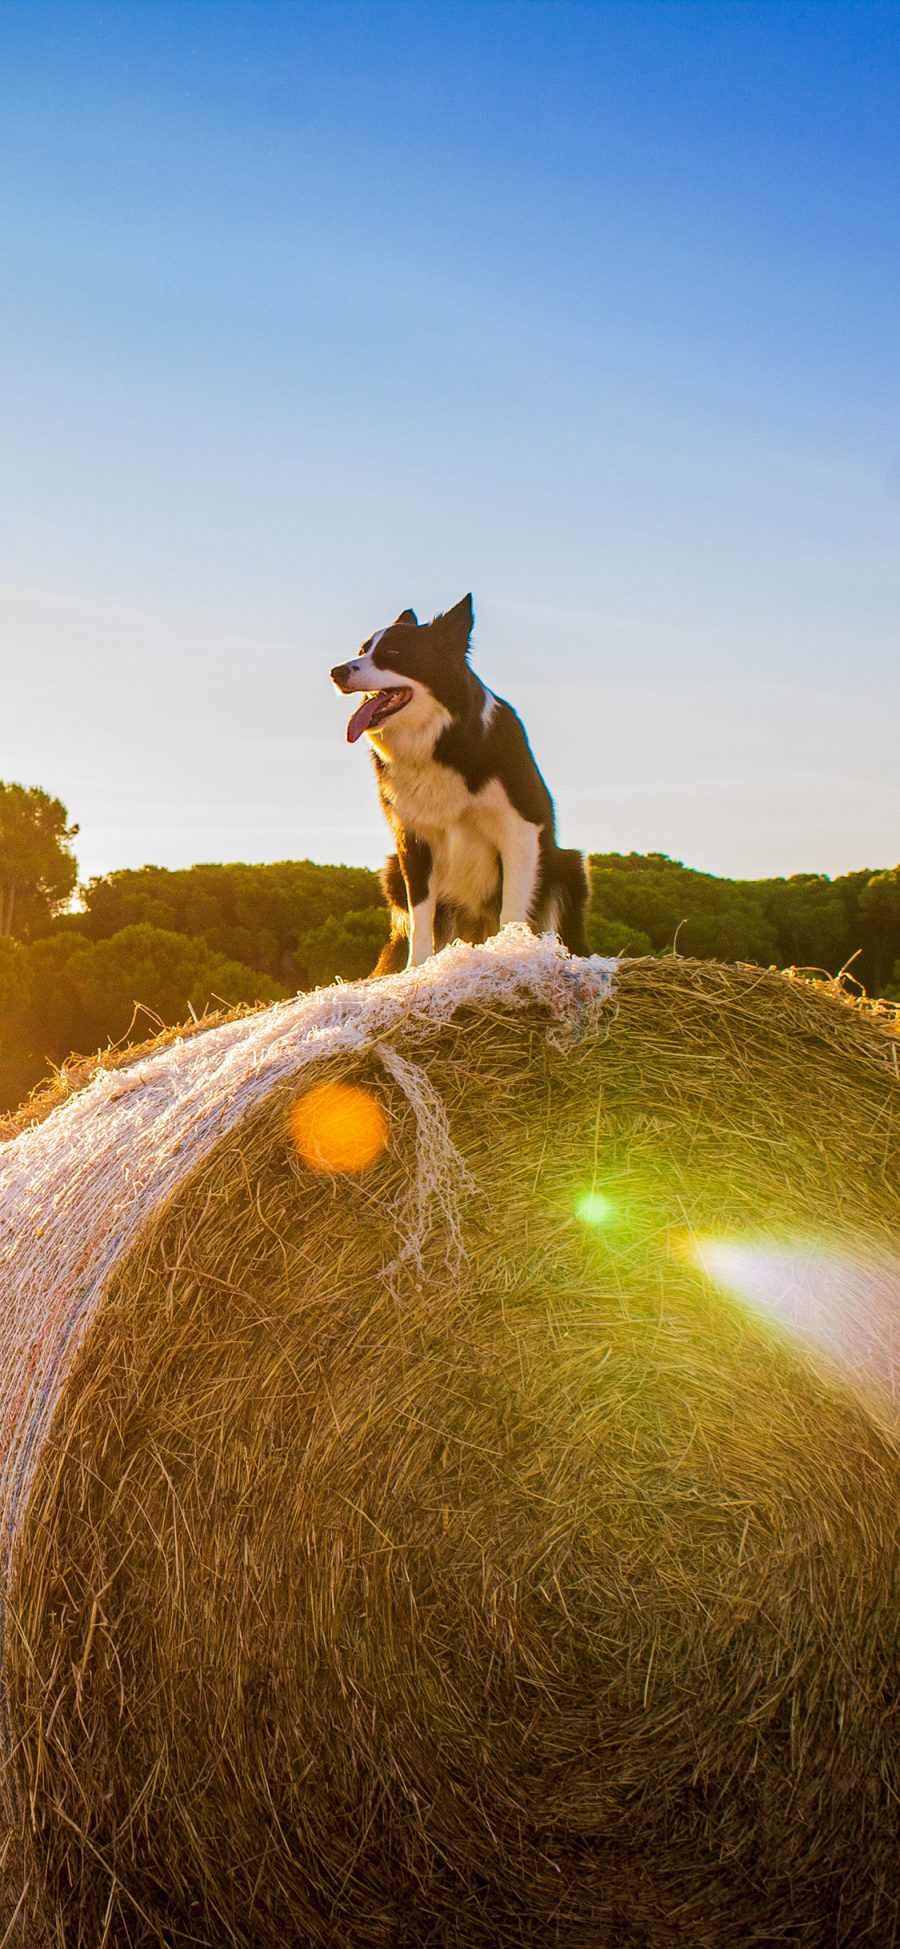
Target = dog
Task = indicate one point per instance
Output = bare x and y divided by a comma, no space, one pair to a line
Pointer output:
471,815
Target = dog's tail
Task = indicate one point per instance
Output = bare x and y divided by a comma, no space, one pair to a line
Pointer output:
395,954
574,891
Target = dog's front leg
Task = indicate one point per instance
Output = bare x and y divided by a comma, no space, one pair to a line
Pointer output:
418,873
520,864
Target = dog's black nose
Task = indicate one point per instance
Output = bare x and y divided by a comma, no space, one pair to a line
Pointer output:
339,674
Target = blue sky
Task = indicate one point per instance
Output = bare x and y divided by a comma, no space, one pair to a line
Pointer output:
312,311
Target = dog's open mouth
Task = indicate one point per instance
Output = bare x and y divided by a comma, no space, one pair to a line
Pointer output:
378,705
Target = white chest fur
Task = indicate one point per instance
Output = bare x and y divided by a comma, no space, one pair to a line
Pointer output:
484,853
428,797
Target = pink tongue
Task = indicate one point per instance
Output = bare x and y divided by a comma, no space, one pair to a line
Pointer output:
362,718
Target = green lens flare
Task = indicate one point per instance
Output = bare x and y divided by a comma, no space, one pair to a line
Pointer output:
595,1209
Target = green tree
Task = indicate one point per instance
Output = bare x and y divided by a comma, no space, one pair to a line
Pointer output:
38,869
64,994
251,914
646,901
879,912
345,946
815,920
19,1069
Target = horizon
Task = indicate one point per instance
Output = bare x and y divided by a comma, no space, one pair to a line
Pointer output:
315,312
305,859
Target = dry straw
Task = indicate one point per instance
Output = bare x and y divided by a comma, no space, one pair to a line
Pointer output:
437,1554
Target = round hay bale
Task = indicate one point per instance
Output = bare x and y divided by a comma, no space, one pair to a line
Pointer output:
490,1540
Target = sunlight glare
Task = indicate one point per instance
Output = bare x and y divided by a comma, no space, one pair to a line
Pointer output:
847,1306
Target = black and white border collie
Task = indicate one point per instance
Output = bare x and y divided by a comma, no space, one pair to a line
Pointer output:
472,818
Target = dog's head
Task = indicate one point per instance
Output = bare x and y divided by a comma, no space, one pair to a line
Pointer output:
408,667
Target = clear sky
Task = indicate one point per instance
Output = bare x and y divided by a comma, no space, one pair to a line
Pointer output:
313,311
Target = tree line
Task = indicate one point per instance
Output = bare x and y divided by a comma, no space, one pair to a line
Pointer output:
151,946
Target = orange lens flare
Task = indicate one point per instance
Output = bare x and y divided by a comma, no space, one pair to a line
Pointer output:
338,1127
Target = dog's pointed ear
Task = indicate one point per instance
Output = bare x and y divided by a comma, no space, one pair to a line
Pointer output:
458,623
407,618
